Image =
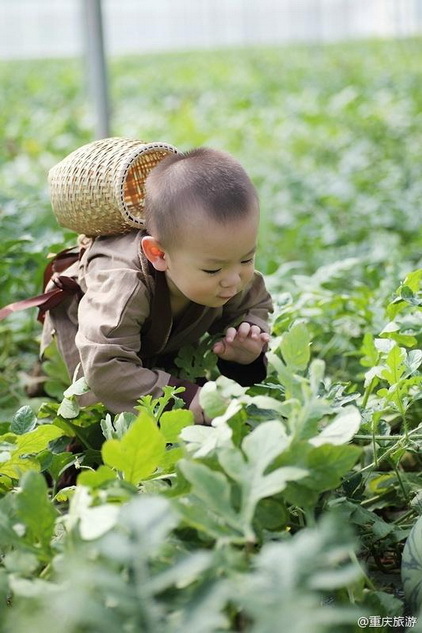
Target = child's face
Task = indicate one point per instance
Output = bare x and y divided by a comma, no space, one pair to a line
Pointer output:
213,262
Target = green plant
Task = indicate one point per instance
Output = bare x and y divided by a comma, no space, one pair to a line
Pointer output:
295,505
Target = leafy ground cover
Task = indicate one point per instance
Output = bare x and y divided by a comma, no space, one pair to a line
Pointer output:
294,508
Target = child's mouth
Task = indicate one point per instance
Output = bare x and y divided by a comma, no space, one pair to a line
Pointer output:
227,296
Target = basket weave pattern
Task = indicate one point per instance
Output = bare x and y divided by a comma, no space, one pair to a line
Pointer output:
99,188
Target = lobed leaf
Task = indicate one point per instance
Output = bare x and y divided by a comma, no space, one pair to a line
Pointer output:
295,347
138,453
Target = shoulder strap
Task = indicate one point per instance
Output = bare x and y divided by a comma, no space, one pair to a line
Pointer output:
65,287
61,262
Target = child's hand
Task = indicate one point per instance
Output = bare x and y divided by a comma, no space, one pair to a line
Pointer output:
198,413
243,345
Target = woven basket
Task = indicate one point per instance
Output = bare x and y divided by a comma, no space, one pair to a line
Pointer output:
99,188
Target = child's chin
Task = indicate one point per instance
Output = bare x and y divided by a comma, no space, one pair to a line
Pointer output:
220,301
215,302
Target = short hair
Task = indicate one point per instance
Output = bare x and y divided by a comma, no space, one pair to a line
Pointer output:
207,178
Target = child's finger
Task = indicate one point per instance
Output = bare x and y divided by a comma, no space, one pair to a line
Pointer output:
230,334
218,347
255,331
243,330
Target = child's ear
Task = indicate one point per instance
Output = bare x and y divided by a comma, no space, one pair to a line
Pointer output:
154,253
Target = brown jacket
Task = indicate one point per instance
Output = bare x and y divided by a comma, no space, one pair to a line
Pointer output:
122,332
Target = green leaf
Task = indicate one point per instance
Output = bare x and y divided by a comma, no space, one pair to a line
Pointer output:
285,375
304,493
316,374
341,430
184,572
55,370
295,347
96,521
117,428
215,396
212,493
341,459
96,478
369,352
77,388
172,423
413,361
414,280
372,375
392,326
384,345
151,520
196,361
282,587
202,441
170,459
58,463
27,588
69,408
395,362
205,605
261,447
35,510
138,454
155,406
8,535
401,339
37,440
23,421
367,519
93,521
21,562
25,446
266,403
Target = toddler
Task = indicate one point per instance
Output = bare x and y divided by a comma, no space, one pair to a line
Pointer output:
147,293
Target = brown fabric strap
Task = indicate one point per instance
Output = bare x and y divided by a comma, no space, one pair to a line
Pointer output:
32,302
60,263
65,287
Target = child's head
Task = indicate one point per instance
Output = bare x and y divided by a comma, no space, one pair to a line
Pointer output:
202,181
202,217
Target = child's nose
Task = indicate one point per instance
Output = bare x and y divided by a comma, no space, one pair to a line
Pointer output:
231,280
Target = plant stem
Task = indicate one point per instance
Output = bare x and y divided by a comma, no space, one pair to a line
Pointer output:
402,410
368,502
374,442
399,477
368,581
386,454
367,393
404,517
390,450
387,438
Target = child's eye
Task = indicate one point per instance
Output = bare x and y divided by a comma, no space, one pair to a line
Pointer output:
211,272
248,261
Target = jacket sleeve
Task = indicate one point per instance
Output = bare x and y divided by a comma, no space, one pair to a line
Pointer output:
253,305
111,316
